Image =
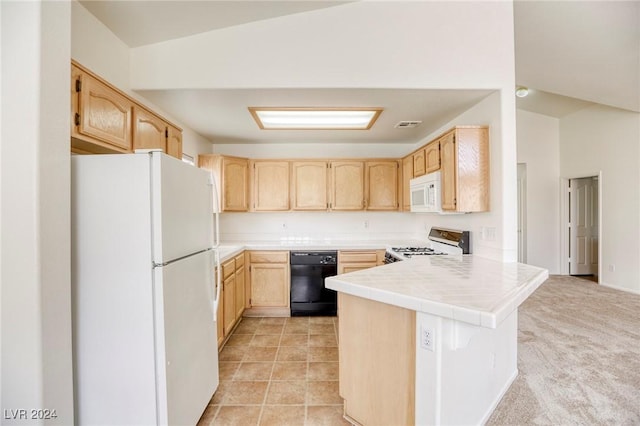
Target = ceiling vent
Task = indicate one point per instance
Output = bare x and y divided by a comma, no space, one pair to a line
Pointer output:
407,124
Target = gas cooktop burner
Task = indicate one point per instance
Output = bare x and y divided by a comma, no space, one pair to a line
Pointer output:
416,251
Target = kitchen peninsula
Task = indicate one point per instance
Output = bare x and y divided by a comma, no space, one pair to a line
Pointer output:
431,340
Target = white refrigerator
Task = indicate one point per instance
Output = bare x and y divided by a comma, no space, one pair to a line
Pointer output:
143,292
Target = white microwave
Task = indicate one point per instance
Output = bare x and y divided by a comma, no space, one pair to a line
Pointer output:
425,193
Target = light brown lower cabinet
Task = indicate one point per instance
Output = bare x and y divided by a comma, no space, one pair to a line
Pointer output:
229,300
355,260
269,280
232,294
377,362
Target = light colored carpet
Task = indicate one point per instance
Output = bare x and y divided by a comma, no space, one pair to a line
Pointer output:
578,357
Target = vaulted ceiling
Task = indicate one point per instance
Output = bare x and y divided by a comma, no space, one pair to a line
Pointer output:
570,54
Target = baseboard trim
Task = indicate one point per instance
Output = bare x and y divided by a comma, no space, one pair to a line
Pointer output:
615,287
495,403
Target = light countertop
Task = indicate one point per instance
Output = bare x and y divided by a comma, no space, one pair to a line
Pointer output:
466,288
228,250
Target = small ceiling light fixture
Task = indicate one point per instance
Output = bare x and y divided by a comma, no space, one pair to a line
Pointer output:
315,118
522,91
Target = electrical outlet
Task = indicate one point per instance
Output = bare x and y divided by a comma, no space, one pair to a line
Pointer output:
612,268
489,233
427,338
366,224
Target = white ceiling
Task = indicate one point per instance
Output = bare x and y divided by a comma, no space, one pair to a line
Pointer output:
569,53
222,114
141,22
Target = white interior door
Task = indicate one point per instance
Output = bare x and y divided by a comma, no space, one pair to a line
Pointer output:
522,212
583,226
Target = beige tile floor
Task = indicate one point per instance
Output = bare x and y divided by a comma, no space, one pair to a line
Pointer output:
278,371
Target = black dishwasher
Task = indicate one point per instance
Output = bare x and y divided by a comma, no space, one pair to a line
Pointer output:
308,293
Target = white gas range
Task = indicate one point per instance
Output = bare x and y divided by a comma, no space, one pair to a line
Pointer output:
442,241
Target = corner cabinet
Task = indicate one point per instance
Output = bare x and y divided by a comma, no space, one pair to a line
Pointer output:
356,260
104,120
464,169
407,175
232,177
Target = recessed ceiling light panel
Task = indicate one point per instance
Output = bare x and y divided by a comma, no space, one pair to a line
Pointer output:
311,118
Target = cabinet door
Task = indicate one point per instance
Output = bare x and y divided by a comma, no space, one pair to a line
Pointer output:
229,303
270,185
149,131
419,164
347,185
309,185
382,185
449,171
104,114
235,180
174,142
351,267
240,286
432,156
407,175
377,361
269,285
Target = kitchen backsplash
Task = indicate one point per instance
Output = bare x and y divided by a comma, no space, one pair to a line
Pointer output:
300,227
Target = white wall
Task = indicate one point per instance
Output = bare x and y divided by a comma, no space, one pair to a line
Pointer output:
36,295
97,48
314,150
603,139
397,44
539,148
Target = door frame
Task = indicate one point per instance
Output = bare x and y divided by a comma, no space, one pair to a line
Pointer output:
564,221
522,212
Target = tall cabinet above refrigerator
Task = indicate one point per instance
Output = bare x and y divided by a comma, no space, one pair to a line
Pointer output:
143,294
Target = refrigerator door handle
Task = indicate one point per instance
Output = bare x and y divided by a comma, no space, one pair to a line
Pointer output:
169,262
216,302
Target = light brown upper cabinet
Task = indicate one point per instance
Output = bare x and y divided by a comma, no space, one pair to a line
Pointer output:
465,169
347,185
101,122
432,157
419,164
381,185
174,142
309,185
149,132
407,175
152,132
270,185
106,120
232,175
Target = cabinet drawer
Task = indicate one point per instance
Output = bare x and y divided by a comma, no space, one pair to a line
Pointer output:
239,261
357,257
228,268
269,257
